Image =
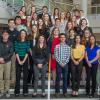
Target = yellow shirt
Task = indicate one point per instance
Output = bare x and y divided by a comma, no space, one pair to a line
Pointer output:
78,51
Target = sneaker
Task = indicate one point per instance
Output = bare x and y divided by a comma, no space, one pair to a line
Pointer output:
57,95
16,95
25,94
34,94
65,94
1,94
7,94
43,94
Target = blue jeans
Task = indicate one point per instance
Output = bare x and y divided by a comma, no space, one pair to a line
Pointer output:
64,72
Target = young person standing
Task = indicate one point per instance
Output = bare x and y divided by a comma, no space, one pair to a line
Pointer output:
62,56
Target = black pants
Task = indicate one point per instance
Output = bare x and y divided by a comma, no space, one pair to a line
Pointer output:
76,71
91,75
30,70
21,68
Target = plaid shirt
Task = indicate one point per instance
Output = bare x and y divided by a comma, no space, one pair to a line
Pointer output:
62,53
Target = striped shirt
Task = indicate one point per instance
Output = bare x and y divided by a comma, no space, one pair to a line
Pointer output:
22,48
62,53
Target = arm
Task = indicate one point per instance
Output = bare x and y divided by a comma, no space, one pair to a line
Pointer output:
96,58
75,62
56,55
68,55
9,55
82,57
25,58
88,62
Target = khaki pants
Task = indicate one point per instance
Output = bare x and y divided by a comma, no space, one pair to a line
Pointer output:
5,76
13,69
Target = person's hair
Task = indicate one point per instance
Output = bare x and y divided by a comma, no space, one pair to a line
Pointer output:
74,44
44,7
5,31
17,17
49,21
38,42
65,15
66,28
68,18
76,10
52,33
43,26
58,12
82,10
90,38
57,19
84,38
19,35
62,34
80,23
11,19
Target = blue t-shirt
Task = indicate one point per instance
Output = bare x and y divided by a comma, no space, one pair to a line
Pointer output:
91,53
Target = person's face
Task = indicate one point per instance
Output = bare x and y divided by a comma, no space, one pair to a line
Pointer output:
41,39
56,11
18,21
35,16
5,36
34,29
56,32
62,38
62,15
87,34
92,40
84,22
78,40
21,14
57,23
74,18
24,9
77,13
46,17
40,22
70,25
45,10
33,9
28,18
68,14
23,35
81,13
72,33
11,24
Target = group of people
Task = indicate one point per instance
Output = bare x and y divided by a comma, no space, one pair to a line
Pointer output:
32,40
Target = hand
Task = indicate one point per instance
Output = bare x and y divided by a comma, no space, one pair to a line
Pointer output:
76,62
62,65
21,62
39,65
2,60
53,57
89,64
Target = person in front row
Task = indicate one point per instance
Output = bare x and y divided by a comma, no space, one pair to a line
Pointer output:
62,56
6,52
92,57
22,47
40,56
77,55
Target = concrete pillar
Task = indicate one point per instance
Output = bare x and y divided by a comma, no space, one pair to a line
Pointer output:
84,5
